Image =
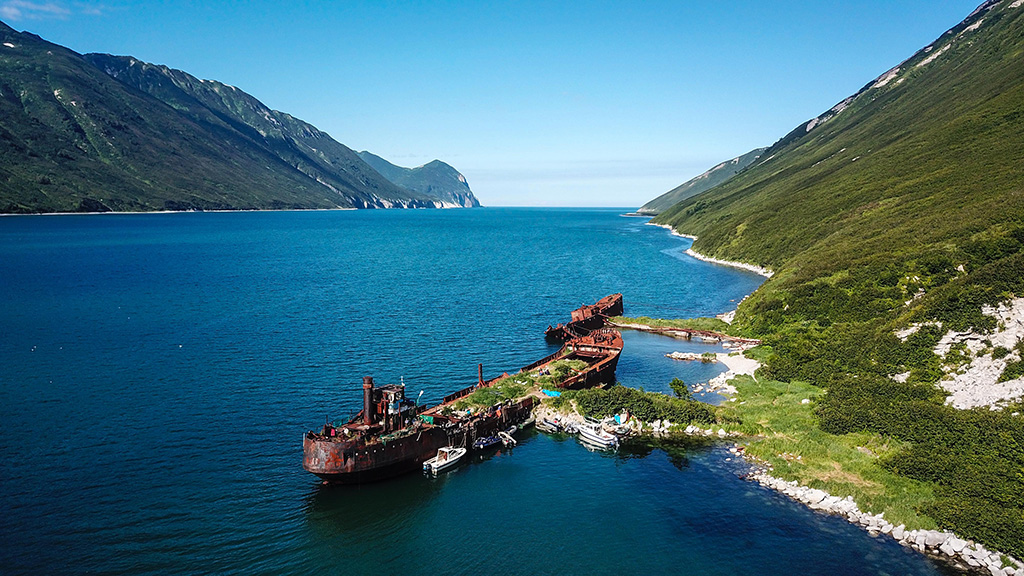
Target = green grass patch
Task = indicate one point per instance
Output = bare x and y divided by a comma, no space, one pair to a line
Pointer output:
708,324
646,406
517,385
759,353
787,437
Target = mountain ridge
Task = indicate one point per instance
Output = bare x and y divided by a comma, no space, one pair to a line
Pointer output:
708,179
74,138
302,145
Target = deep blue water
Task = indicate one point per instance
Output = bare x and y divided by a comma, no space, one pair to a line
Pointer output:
157,373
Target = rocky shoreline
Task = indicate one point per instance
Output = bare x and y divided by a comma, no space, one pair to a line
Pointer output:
742,265
961,553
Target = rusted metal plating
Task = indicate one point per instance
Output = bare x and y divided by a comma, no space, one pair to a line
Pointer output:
586,318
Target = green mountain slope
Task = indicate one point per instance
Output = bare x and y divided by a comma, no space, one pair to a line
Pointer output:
73,138
435,179
299,144
713,177
902,205
936,134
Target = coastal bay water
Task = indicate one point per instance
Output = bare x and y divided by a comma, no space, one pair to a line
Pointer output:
158,372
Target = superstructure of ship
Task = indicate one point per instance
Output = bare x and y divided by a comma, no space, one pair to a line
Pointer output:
391,435
586,318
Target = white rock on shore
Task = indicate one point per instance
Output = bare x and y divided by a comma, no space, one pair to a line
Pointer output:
742,265
737,364
691,356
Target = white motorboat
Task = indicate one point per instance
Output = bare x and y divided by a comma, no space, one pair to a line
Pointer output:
595,436
446,458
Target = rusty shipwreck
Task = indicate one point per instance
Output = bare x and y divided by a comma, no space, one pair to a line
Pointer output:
586,318
391,435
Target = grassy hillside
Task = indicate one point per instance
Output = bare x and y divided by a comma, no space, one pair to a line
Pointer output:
903,204
886,172
706,181
299,144
73,138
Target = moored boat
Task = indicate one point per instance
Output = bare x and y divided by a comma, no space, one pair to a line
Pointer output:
545,425
593,434
486,442
447,457
506,439
392,435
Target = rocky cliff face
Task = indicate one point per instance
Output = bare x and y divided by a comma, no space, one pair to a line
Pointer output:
435,179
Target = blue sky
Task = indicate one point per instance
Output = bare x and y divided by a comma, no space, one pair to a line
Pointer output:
536,103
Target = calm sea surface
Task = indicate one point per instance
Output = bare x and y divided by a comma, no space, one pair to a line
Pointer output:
157,373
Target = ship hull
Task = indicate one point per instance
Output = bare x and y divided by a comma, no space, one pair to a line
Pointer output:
338,462
350,462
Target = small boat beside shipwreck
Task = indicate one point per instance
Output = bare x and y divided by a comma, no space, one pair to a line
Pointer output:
446,458
391,435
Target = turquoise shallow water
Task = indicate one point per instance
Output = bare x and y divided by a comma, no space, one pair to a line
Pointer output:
159,371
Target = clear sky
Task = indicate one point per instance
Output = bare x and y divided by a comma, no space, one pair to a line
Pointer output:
541,103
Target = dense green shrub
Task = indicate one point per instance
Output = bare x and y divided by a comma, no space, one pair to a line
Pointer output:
680,389
1012,371
958,304
974,457
646,406
1001,527
875,403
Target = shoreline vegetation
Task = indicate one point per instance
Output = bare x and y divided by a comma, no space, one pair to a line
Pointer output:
889,352
646,324
773,425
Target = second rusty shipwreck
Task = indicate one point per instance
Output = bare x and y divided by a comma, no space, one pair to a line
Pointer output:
391,435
